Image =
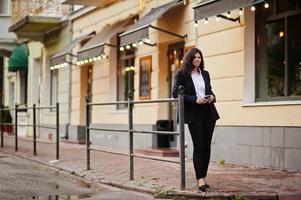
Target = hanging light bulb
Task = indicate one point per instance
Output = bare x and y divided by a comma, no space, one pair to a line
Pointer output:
127,46
140,43
134,44
82,62
147,40
90,60
52,68
266,5
206,21
121,48
98,57
217,18
240,12
94,59
195,24
228,14
78,63
253,8
104,56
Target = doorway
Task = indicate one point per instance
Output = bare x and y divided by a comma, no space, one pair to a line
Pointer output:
86,91
175,54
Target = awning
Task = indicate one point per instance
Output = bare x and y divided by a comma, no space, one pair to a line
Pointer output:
18,59
61,56
94,47
140,30
209,8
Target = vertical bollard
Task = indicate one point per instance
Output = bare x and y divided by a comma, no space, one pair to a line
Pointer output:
2,143
182,136
34,130
57,131
16,127
88,133
131,146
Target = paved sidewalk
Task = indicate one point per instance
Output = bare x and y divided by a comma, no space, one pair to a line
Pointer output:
161,177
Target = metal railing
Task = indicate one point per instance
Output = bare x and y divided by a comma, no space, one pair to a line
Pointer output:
34,125
180,132
42,8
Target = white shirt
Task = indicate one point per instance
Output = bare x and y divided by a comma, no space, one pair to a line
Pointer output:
199,84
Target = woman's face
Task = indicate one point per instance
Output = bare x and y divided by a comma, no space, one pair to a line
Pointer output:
197,60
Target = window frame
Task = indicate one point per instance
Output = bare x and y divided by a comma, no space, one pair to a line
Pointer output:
274,17
123,56
7,13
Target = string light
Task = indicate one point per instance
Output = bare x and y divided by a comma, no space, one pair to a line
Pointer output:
121,48
134,44
103,56
127,46
206,21
217,18
266,5
240,12
195,24
140,42
147,40
228,14
253,8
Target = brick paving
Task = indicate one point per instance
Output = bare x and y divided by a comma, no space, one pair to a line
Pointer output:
153,176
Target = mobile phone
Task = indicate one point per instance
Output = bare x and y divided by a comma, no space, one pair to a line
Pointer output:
207,97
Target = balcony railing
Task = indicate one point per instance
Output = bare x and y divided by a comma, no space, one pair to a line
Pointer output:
41,8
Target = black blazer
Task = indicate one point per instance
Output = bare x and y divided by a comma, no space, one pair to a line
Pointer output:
193,112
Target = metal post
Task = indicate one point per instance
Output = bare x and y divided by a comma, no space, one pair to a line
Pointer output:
182,136
16,127
57,131
130,128
34,130
2,143
88,134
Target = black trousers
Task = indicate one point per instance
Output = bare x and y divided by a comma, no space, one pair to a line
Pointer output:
201,134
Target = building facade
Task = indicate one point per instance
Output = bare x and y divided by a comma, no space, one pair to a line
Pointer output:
251,50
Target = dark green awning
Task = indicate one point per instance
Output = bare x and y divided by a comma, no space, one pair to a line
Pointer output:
18,59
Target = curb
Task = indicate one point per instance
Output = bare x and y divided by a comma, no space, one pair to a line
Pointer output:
171,194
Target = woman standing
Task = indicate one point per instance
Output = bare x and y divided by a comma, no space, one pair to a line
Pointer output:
199,111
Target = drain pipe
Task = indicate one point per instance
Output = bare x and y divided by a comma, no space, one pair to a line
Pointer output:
70,30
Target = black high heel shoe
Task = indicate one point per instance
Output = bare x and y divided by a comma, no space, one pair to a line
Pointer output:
206,185
203,188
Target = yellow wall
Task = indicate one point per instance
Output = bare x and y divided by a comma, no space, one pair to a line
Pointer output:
223,46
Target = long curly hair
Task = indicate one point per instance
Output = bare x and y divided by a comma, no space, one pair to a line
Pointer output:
187,65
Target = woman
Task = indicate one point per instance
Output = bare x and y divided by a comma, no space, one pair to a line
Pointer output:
199,111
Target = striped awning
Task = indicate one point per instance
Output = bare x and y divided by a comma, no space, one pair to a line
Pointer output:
61,56
95,46
140,30
209,8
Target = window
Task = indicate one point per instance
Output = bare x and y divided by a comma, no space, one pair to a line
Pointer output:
4,7
53,87
125,74
278,47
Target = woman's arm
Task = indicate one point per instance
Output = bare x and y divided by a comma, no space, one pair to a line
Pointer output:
212,99
178,81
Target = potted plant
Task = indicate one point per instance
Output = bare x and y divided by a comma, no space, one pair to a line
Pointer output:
7,120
